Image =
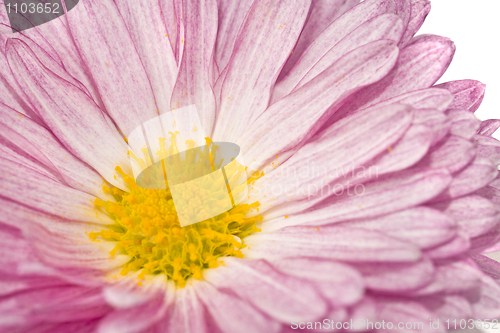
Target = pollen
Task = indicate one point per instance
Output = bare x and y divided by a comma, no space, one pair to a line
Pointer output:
146,228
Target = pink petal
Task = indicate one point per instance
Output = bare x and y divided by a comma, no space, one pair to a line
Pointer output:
247,85
489,127
421,226
29,187
486,243
456,246
53,304
339,283
321,15
294,119
64,250
438,122
13,283
231,314
49,59
405,311
464,123
489,266
468,94
14,154
419,11
135,319
491,193
449,307
282,297
108,51
406,151
149,34
33,37
11,98
170,16
60,242
20,251
231,17
396,277
386,195
419,66
410,149
337,30
403,9
487,299
496,183
125,293
474,215
341,147
12,95
363,312
88,137
75,327
478,174
27,219
453,277
388,27
40,144
22,263
339,314
453,153
312,63
341,243
188,313
194,81
55,39
488,147
430,98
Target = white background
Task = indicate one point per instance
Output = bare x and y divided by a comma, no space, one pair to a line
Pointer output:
474,26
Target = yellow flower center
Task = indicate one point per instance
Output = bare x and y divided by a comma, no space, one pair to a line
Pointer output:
146,228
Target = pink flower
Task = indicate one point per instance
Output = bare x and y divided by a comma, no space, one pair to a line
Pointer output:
378,201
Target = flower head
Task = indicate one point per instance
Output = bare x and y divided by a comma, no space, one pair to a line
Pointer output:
371,194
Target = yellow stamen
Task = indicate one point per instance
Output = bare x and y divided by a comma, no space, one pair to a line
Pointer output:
146,227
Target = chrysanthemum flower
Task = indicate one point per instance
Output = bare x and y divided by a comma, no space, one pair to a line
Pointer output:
374,193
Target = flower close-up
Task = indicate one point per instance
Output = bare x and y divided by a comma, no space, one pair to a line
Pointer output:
247,166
